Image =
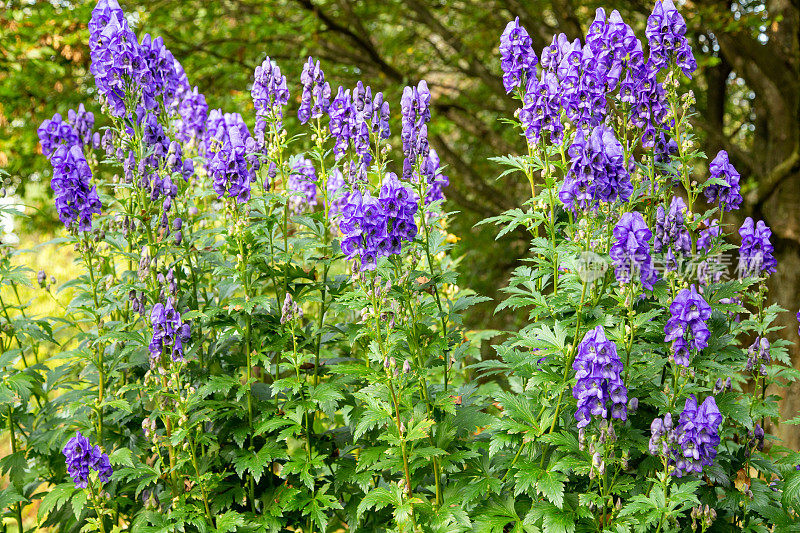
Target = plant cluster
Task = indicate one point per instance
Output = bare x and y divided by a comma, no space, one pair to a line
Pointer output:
268,333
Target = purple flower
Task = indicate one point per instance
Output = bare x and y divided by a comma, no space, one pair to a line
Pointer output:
233,166
614,46
710,269
165,79
582,85
376,227
169,332
599,385
82,122
517,57
76,198
380,117
416,113
55,132
666,32
541,108
82,457
597,173
647,99
302,185
755,253
193,113
270,95
686,326
672,236
120,71
662,436
728,194
434,178
758,355
341,112
630,250
697,436
316,95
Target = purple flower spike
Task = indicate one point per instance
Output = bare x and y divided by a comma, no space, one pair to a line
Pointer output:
599,385
597,173
302,185
76,198
666,32
686,327
630,250
316,95
518,59
755,253
727,195
672,235
82,457
697,436
169,332
55,132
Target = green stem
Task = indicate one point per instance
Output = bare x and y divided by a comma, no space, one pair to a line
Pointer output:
13,451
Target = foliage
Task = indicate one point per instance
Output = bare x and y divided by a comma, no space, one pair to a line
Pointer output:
253,360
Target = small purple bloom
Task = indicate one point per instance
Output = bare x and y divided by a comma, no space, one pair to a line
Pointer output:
55,132
82,457
666,32
316,95
517,57
672,235
597,173
169,332
687,325
630,250
727,195
76,198
755,253
697,436
599,384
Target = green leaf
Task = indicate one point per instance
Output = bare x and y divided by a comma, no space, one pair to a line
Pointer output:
58,496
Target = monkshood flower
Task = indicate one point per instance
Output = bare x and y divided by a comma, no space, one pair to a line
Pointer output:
337,195
119,68
672,235
76,198
728,194
55,132
82,458
399,204
614,46
758,355
341,113
666,32
541,108
552,54
687,326
169,332
697,436
664,148
82,122
755,253
233,167
597,172
270,95
416,113
193,113
599,386
435,179
316,95
302,185
582,84
375,227
517,58
380,117
711,269
630,250
647,99
662,436
165,79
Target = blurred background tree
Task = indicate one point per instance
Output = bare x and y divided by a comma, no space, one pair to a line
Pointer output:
747,89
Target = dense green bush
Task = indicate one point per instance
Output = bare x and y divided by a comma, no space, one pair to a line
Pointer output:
267,334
